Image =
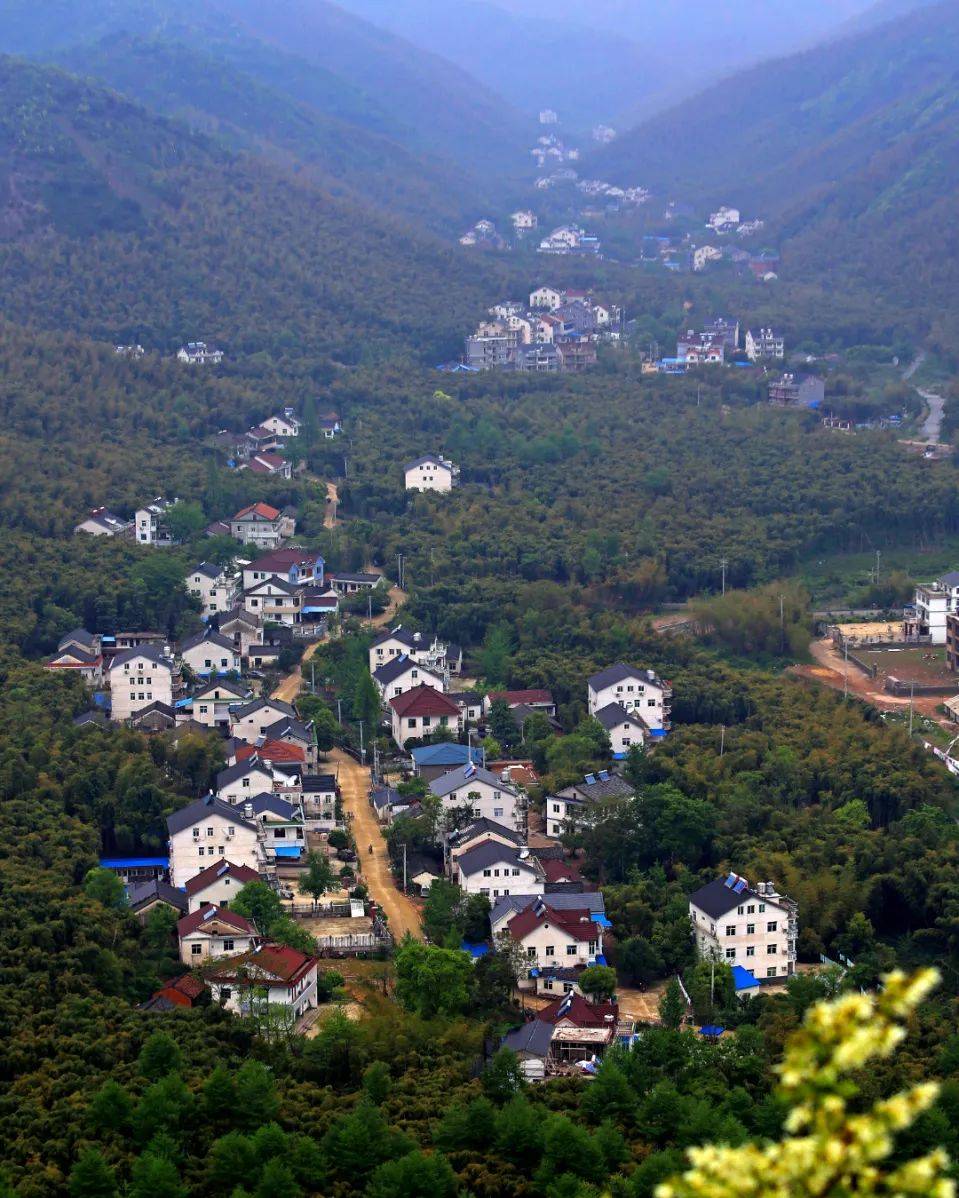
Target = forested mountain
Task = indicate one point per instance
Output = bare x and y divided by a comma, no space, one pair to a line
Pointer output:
118,224
348,158
849,151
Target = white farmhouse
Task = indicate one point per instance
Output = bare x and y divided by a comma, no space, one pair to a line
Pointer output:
211,932
249,723
284,424
272,976
214,586
209,831
495,869
403,674
150,524
754,929
483,793
524,220
138,678
764,344
624,728
431,473
210,653
641,692
218,884
212,702
550,936
934,602
546,298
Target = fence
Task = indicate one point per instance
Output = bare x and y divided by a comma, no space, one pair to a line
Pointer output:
865,666
896,686
329,911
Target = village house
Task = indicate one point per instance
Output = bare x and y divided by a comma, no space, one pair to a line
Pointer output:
420,713
641,692
207,831
101,522
274,601
725,329
269,464
570,807
538,699
524,220
704,254
214,586
79,653
701,349
546,297
470,704
431,473
242,627
330,426
198,353
271,976
262,526
151,524
480,794
209,653
217,885
432,761
211,932
724,219
293,565
402,674
797,390
755,929
404,642
345,583
933,603
284,424
572,1030
282,830
624,728
182,992
764,344
252,721
495,869
490,351
548,936
144,897
481,831
540,359
252,776
294,732
139,678
319,800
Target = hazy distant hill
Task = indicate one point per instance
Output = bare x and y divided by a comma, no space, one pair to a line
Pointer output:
117,224
220,99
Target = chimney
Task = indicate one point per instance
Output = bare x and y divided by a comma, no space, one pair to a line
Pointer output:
248,810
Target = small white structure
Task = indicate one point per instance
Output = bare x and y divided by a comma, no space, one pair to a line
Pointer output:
218,884
548,117
284,424
150,522
524,220
270,976
624,728
210,653
764,344
725,218
212,931
101,522
198,353
753,928
431,473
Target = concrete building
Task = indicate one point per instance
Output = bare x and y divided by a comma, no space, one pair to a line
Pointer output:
755,929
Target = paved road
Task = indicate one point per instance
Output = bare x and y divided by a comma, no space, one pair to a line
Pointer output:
931,426
354,780
913,366
292,684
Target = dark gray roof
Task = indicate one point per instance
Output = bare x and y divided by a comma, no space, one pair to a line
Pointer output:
394,668
534,1038
951,579
279,584
156,891
259,704
614,714
95,716
240,770
399,633
275,805
224,684
207,637
79,636
479,826
209,569
512,904
384,796
78,654
427,457
490,852
445,783
289,727
319,783
610,787
150,652
716,898
186,817
343,576
619,673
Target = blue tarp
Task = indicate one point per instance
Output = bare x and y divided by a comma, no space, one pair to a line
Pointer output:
743,979
475,950
601,920
184,702
288,850
601,960
711,1030
133,862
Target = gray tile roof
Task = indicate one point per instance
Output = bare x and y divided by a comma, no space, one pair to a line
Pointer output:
258,705
614,714
479,826
207,637
156,891
455,779
534,1038
186,817
512,904
240,770
150,652
491,852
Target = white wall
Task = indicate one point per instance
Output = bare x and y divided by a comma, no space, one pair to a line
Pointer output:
220,839
138,683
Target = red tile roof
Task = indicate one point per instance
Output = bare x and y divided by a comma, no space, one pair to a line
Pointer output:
580,1012
266,463
423,700
561,871
209,912
515,698
258,509
283,559
288,964
576,924
277,751
240,873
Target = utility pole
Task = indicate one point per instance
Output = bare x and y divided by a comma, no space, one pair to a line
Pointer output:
404,869
912,691
878,556
431,566
369,605
339,711
724,563
362,750
399,570
845,677
722,741
312,677
782,627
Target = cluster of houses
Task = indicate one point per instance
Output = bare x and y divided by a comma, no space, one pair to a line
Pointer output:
729,220
550,149
717,343
569,239
149,524
559,330
484,235
194,353
261,448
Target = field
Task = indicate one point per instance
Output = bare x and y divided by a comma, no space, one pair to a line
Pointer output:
923,665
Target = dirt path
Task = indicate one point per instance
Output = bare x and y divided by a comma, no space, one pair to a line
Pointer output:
354,781
332,505
292,684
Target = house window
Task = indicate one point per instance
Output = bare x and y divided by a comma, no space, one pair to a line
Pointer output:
571,950
750,909
531,954
548,984
497,811
771,950
228,946
202,852
730,929
750,929
279,834
739,910
750,951
220,850
209,831
515,873
196,949
730,954
556,808
771,926
412,722
550,951
592,946
762,908
484,890
771,971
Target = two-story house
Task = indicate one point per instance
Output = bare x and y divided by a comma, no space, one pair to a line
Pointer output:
262,526
101,522
252,776
274,601
284,424
79,653
420,713
403,674
139,678
571,807
209,831
480,794
495,869
151,524
430,473
214,586
218,884
934,603
625,729
549,936
210,932
753,928
404,642
641,692
272,976
212,702
249,723
210,653
298,567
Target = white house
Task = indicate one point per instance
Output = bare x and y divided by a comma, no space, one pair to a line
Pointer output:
704,254
198,353
218,884
724,218
261,525
495,869
422,712
641,692
239,783
431,473
524,220
550,936
249,723
274,601
404,642
101,522
547,298
210,653
284,424
753,928
270,975
140,677
570,807
150,525
296,566
624,728
403,674
214,586
934,602
763,344
212,702
79,653
209,831
483,794
211,932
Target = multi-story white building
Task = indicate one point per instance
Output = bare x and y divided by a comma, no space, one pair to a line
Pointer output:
551,937
211,932
641,692
571,806
150,524
210,653
261,525
271,975
753,928
218,884
763,344
140,677
403,674
485,794
431,473
495,869
934,601
198,353
624,728
212,703
209,831
214,586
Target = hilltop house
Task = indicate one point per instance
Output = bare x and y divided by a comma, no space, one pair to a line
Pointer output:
292,565
268,463
421,712
262,526
641,692
482,794
151,524
79,653
210,653
431,473
274,601
546,297
209,831
214,586
537,699
764,344
139,678
797,390
403,642
270,975
524,220
724,219
198,353
755,929
101,522
212,931
284,424
402,674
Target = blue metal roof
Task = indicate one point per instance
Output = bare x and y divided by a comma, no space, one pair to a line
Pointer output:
743,979
447,753
711,1030
184,702
133,862
598,917
288,850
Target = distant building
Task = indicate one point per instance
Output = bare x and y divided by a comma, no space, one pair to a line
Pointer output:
724,219
797,390
755,929
101,522
489,352
548,117
151,524
198,353
641,692
431,473
934,602
764,344
129,351
524,220
604,134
